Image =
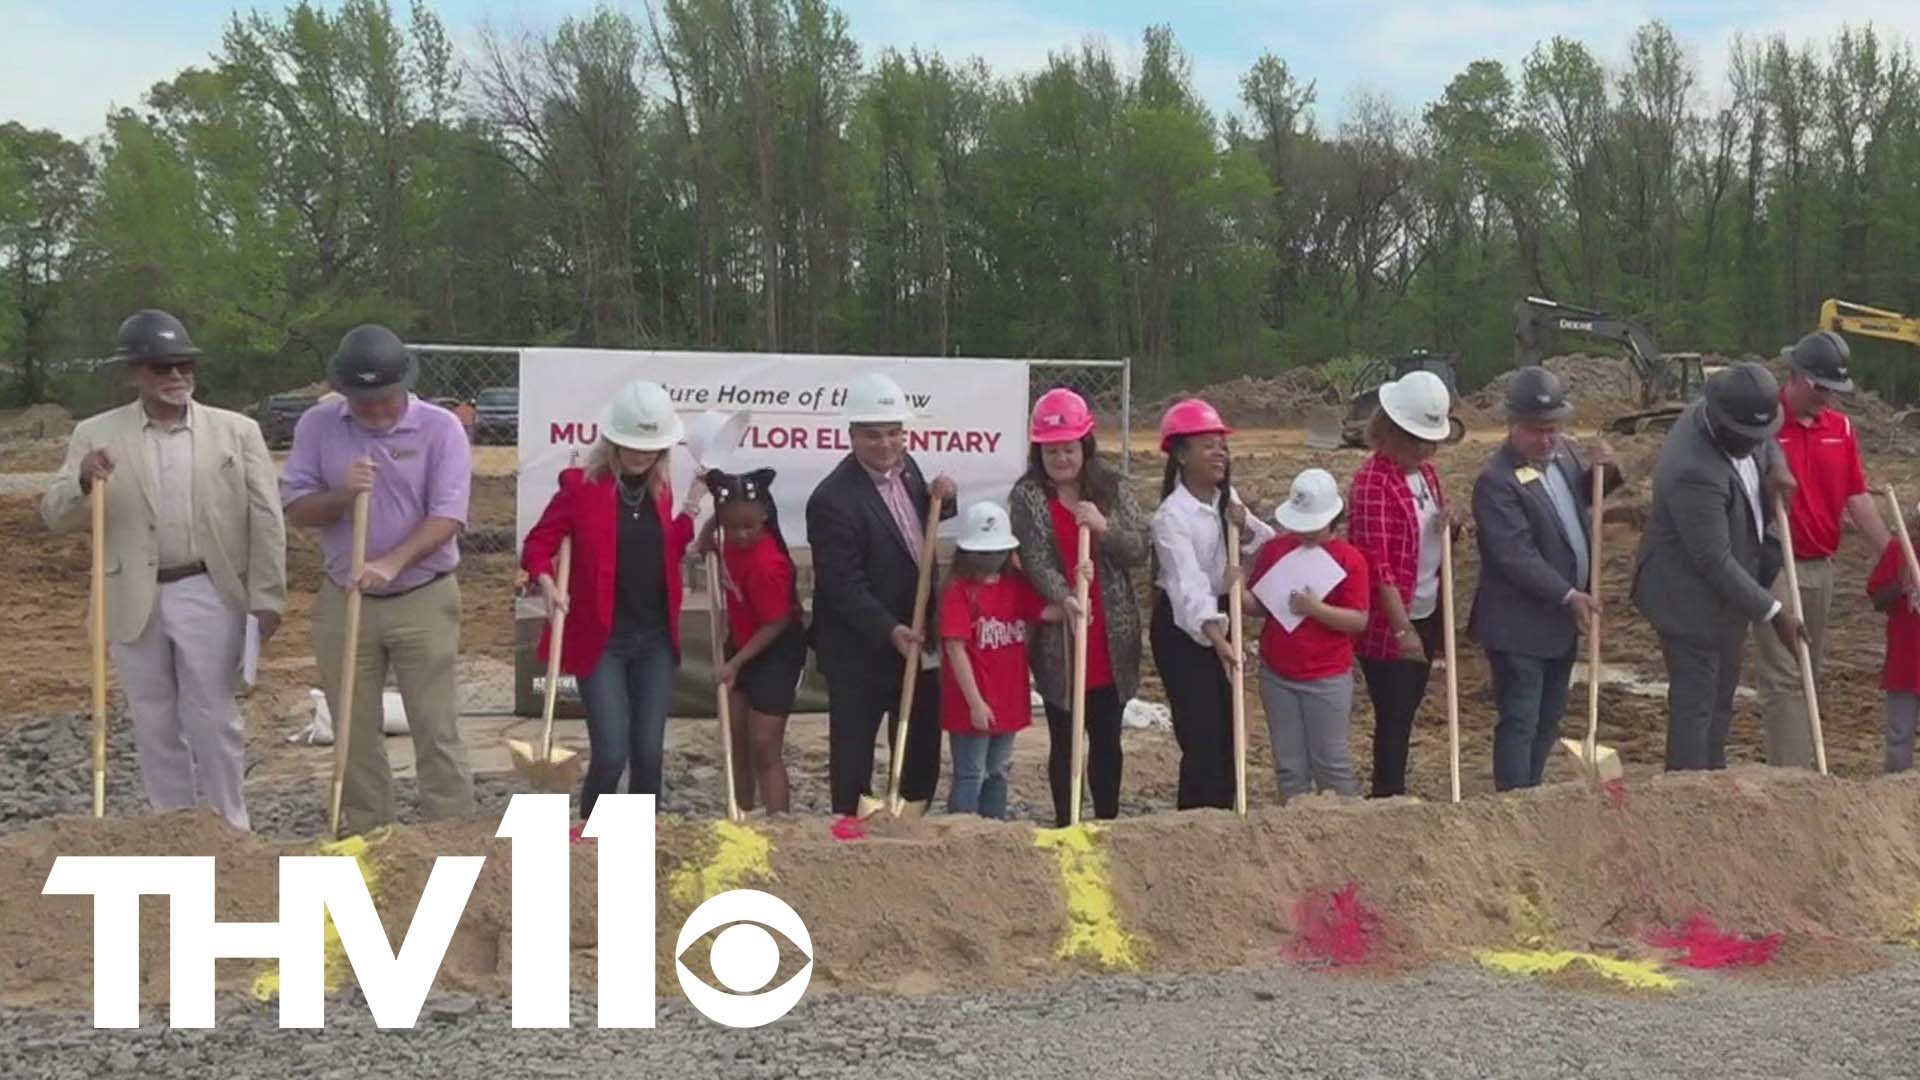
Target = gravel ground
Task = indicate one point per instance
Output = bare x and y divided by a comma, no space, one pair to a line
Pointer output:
46,770
1452,1022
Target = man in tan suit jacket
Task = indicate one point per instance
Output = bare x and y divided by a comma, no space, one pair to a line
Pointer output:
195,542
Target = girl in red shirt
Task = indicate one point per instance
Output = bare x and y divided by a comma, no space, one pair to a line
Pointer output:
767,643
985,613
1306,674
1900,671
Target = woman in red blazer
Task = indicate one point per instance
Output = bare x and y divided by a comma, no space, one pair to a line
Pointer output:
622,639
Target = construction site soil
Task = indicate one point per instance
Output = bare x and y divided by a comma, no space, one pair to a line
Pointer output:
1832,865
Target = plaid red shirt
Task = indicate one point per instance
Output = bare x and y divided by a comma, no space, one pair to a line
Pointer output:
1383,524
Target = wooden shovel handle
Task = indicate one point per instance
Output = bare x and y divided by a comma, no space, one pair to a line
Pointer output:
1235,604
97,641
349,661
909,679
1807,688
1082,625
1598,513
722,695
1453,666
563,577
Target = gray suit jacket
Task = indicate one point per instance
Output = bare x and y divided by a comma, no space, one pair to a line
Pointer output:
1527,562
1702,572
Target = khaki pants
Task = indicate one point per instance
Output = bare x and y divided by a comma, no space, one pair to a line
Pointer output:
417,636
1782,705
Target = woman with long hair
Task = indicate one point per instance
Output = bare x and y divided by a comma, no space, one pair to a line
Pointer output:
1067,486
1192,645
1397,510
623,598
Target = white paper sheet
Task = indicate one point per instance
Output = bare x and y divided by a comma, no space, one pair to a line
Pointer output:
250,653
1309,568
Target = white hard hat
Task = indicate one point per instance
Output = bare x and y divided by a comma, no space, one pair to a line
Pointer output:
1418,403
986,528
1312,506
641,417
875,399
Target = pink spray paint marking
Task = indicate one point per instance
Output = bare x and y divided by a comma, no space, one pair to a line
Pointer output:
849,828
1702,944
1338,928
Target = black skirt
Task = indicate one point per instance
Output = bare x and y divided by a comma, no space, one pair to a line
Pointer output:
772,679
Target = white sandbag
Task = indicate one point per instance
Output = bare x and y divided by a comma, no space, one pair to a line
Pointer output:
1146,714
319,732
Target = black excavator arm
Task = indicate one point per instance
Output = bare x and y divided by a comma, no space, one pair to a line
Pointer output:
1533,315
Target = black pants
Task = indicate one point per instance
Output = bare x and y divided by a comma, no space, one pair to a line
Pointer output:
1702,675
1395,688
1201,698
1103,755
857,701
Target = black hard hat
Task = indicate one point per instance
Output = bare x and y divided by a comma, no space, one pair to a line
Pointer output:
152,334
1745,399
1822,357
1534,393
370,362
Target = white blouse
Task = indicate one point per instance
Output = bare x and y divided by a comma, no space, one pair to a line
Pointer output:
1192,556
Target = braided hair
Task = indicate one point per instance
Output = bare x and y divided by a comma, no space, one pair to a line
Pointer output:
755,489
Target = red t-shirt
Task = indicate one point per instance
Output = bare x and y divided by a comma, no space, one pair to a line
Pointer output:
1066,533
1312,651
1825,459
762,579
1901,668
991,617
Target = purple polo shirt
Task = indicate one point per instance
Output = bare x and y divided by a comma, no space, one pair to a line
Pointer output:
426,470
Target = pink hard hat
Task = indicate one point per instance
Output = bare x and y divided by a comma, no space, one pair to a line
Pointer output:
1190,417
1060,416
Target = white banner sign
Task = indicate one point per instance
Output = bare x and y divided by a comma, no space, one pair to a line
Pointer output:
970,417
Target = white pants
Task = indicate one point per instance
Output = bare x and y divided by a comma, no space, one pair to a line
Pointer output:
180,675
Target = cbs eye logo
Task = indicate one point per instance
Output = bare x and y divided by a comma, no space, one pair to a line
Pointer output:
744,958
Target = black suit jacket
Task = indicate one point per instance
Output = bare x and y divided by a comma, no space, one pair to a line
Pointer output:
863,573
1527,562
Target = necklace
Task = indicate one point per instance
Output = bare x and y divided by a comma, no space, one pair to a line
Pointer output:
633,497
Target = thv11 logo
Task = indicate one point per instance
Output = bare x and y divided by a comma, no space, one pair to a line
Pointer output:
744,955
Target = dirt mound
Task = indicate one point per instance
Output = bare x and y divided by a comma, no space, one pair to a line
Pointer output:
44,421
971,905
1281,401
1599,388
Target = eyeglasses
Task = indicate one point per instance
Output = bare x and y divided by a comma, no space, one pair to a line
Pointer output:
164,368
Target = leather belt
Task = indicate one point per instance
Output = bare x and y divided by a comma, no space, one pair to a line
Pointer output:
434,580
170,574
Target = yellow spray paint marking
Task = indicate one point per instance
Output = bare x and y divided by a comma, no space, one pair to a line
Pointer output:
1093,921
739,859
358,848
1532,926
1639,974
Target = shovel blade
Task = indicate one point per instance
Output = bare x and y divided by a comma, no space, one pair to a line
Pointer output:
871,806
1604,766
557,773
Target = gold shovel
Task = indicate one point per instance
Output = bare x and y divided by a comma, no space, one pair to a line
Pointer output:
553,769
903,712
1600,762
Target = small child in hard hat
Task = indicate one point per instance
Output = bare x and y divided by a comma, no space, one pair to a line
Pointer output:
1900,671
984,702
1306,673
768,644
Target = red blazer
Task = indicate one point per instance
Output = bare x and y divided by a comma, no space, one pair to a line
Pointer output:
589,511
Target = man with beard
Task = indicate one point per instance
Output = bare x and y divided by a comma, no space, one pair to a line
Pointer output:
1706,562
194,542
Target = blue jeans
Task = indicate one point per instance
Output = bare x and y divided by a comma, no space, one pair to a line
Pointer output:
980,764
626,697
1530,693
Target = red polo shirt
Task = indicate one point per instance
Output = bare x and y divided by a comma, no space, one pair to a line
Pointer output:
1825,458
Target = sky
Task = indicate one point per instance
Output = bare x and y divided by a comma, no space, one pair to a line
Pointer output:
69,63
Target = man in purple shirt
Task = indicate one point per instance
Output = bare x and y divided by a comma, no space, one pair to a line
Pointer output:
414,459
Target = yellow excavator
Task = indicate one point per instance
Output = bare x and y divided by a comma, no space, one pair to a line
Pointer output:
1847,317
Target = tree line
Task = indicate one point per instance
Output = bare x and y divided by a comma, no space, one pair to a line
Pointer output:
736,174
